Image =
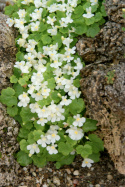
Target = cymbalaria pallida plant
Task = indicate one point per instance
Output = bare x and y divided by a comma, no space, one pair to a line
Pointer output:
45,98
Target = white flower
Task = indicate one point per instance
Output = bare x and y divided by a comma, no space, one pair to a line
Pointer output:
75,133
53,137
51,20
42,121
24,99
36,15
53,8
37,3
21,13
94,2
67,19
37,96
52,149
34,107
45,92
87,162
10,22
70,50
66,41
52,31
37,78
19,23
23,66
21,42
89,14
52,128
26,2
33,148
43,141
79,121
65,101
35,26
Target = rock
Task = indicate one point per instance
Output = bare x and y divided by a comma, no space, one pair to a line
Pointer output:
56,180
76,172
109,177
7,52
103,82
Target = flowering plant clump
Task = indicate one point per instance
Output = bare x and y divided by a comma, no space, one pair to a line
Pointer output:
45,98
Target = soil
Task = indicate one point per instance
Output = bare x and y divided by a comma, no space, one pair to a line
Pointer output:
102,174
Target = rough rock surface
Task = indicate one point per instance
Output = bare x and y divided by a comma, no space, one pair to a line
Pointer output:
109,44
105,101
7,52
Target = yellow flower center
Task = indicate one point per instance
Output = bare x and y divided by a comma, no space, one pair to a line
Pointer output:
38,94
76,132
34,146
53,135
43,110
86,162
78,119
52,147
24,95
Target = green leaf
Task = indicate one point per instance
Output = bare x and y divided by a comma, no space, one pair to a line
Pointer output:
36,36
10,9
7,97
70,120
19,56
93,30
64,148
17,72
64,30
97,143
89,125
55,97
42,27
103,11
80,29
76,106
12,111
18,89
76,83
37,134
60,14
54,157
23,146
23,158
70,141
38,126
89,21
65,160
98,16
28,125
51,83
27,17
84,151
86,5
31,138
39,161
95,157
46,39
50,2
22,81
13,79
57,39
26,114
23,133
79,10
